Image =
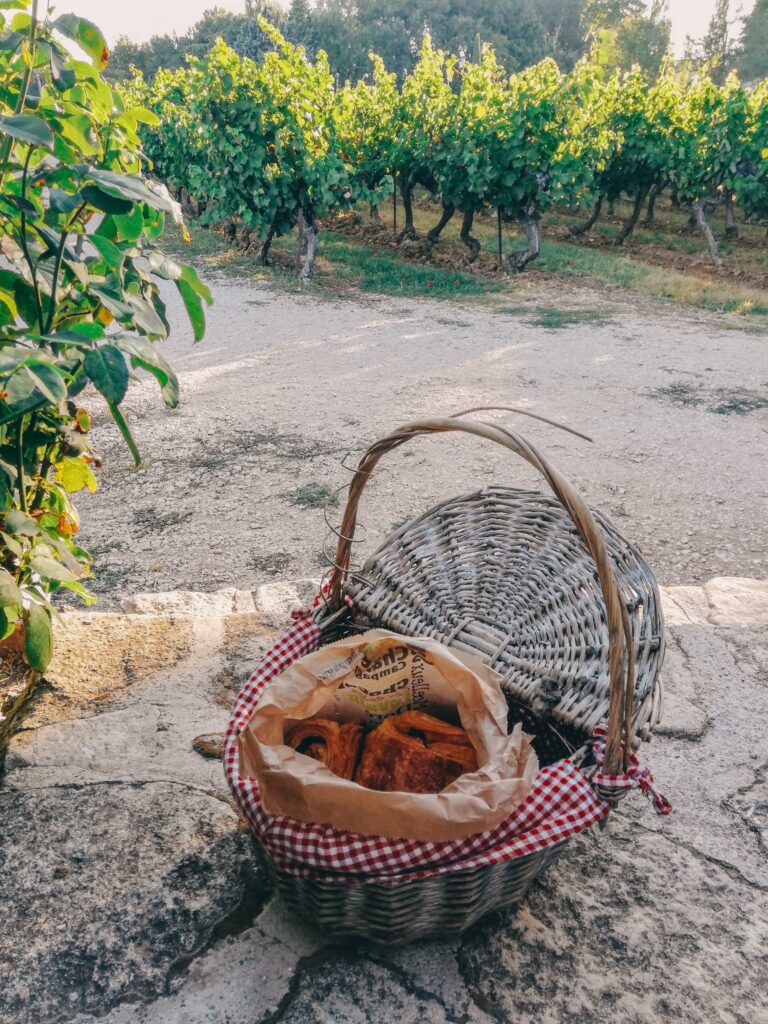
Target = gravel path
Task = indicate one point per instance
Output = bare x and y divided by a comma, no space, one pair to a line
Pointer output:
285,385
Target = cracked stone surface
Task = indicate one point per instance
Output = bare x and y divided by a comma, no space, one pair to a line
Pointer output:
108,889
132,895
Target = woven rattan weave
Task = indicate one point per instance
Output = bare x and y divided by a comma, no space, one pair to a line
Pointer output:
504,575
443,906
548,593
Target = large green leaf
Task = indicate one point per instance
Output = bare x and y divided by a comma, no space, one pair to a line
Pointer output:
75,474
164,266
19,522
50,569
194,308
64,202
26,301
101,200
9,591
107,368
146,356
35,375
113,256
192,290
129,226
128,186
63,77
144,115
38,642
86,35
189,274
27,128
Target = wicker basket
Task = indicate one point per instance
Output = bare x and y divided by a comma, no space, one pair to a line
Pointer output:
545,591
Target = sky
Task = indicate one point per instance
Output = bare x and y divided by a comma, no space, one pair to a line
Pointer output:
140,19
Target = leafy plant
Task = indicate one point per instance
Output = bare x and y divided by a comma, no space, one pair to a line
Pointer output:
268,146
253,143
751,169
79,298
709,138
363,121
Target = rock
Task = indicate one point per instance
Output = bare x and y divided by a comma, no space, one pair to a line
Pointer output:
107,890
351,991
210,744
99,658
735,601
275,601
637,928
722,601
240,980
186,602
684,605
683,715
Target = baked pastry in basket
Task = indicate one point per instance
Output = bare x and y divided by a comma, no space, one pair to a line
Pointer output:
337,746
415,753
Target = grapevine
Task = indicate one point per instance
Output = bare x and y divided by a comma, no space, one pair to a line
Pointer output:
267,147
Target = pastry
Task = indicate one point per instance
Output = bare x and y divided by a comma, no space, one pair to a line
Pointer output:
415,753
337,746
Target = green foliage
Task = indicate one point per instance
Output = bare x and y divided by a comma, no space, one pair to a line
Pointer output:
257,144
502,138
521,32
253,143
420,120
635,118
750,172
79,298
708,138
364,116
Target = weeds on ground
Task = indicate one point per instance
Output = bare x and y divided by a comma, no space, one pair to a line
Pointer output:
314,495
721,401
374,271
343,262
554,319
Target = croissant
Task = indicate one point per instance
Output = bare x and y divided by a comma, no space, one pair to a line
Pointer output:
337,746
415,753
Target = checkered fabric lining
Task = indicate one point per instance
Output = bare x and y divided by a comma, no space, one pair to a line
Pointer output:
561,804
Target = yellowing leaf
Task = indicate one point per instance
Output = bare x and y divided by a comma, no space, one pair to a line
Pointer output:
104,316
74,474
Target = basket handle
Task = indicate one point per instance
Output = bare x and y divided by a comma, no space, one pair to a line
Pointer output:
622,670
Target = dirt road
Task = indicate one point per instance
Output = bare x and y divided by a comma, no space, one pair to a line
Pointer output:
284,386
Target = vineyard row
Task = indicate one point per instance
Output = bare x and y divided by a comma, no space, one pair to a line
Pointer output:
264,147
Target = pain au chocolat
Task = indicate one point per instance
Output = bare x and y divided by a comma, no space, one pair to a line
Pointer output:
414,753
337,746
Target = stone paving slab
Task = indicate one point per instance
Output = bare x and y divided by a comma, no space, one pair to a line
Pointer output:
132,895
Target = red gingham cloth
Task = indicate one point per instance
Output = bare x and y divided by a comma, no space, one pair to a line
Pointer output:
635,778
561,804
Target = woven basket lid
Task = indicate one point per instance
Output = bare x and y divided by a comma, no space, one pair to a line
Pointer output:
503,574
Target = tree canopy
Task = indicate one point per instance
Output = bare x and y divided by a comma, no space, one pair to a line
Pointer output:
522,32
753,59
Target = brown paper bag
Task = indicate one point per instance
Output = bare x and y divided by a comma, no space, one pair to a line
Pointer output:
368,678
